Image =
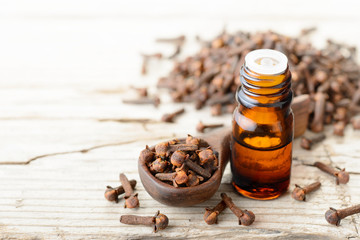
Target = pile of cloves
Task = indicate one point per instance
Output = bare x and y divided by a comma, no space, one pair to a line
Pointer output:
330,75
181,163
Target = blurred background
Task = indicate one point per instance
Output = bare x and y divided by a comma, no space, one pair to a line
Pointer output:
55,42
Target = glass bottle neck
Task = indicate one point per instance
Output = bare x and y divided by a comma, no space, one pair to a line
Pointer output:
264,90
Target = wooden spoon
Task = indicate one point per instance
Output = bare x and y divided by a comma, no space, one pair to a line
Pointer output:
188,196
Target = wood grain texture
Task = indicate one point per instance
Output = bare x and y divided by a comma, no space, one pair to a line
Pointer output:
64,68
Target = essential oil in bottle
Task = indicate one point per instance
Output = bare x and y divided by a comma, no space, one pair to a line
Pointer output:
262,129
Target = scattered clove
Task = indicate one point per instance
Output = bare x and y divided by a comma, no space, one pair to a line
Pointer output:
245,217
334,216
146,58
154,101
158,222
112,194
129,120
307,143
175,40
169,117
211,214
178,42
200,127
341,176
356,122
299,193
143,92
131,198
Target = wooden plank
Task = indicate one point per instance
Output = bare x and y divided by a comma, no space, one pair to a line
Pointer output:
85,209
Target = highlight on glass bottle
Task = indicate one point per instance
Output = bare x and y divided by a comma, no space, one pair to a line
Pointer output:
262,129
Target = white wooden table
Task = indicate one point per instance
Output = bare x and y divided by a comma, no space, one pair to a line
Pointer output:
64,68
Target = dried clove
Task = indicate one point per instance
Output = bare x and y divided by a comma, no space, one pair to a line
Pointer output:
146,155
339,128
355,121
169,117
178,158
159,165
154,101
174,141
158,222
112,194
165,149
206,155
129,120
192,140
178,42
196,168
146,58
181,175
200,127
299,193
177,178
143,92
341,176
222,99
211,214
341,113
334,216
245,217
216,110
193,179
317,124
131,198
306,143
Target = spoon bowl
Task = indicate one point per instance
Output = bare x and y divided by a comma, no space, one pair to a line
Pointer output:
188,196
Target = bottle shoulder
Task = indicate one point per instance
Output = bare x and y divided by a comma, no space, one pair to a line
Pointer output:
250,118
263,130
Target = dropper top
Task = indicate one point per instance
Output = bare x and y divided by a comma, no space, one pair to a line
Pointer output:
266,61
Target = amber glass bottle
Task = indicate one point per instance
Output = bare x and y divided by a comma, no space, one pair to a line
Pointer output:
262,126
